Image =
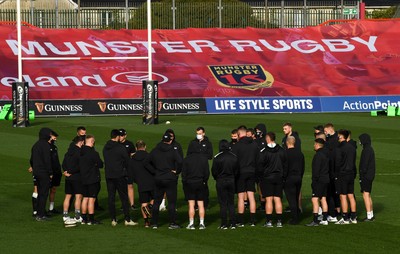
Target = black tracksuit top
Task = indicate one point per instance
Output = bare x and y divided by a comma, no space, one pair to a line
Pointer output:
332,141
129,146
142,172
330,148
225,166
195,169
55,161
165,158
71,163
367,159
345,159
261,143
297,144
90,163
272,162
178,147
320,166
40,154
204,146
116,160
296,164
247,152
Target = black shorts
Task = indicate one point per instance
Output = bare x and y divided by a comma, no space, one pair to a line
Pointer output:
146,196
319,190
246,182
129,180
345,185
194,191
91,190
73,187
56,180
365,185
129,177
271,187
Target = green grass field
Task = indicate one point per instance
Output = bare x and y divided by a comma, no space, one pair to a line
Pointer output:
20,233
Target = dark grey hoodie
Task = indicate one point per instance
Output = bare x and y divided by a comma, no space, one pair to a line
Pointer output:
165,158
367,159
272,162
142,171
40,154
247,152
71,163
116,160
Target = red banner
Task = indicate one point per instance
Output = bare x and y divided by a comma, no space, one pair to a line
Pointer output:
357,58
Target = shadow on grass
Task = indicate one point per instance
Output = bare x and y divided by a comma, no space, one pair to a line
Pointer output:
378,207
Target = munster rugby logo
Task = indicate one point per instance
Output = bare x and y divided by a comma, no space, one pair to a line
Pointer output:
248,76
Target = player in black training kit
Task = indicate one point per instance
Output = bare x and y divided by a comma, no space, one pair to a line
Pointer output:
130,149
73,179
246,151
331,144
203,145
56,166
367,174
143,175
270,169
344,176
260,131
55,180
167,164
293,177
224,170
320,181
116,162
42,171
195,174
89,164
177,146
288,131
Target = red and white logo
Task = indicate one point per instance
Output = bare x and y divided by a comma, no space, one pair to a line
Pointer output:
135,78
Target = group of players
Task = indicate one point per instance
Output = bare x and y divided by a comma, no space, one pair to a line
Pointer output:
252,161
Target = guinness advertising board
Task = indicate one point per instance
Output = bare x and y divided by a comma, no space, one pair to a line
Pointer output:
113,107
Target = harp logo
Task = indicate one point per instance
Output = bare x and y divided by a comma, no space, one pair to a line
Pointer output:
102,105
39,106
